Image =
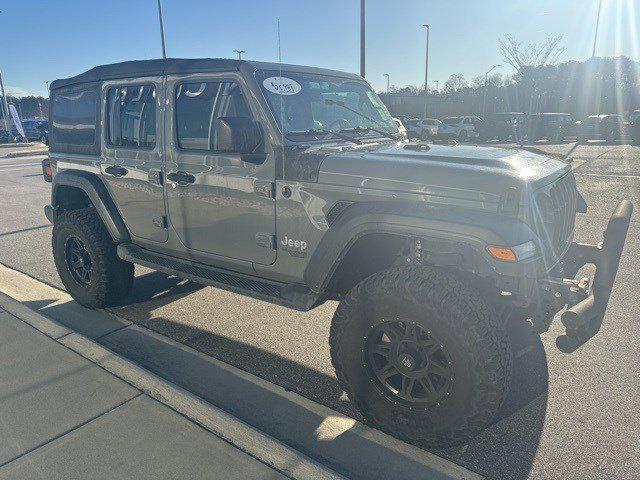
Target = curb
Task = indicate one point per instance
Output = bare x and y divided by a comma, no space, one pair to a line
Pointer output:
31,153
266,449
358,443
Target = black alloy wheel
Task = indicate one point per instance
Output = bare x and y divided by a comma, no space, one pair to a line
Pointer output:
409,364
78,261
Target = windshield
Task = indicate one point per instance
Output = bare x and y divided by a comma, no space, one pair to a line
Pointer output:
451,120
306,102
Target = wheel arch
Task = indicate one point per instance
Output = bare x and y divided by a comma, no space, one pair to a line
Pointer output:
369,238
78,189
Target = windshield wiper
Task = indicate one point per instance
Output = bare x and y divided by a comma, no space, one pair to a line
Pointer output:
362,128
315,131
390,135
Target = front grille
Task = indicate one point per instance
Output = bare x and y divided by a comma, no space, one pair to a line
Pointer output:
556,214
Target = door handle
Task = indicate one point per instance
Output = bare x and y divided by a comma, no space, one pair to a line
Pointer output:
116,171
181,178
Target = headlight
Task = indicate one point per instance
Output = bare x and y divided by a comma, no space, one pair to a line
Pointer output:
525,250
516,253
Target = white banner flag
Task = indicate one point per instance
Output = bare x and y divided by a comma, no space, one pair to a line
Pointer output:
16,119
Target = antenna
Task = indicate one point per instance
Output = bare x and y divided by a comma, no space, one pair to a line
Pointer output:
164,49
281,96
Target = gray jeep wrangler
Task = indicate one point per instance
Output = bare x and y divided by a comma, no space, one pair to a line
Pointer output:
292,185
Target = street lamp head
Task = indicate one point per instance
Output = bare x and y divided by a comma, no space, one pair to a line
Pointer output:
426,25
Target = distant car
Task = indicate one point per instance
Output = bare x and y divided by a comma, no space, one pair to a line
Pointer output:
554,127
36,130
503,126
7,137
461,128
401,128
423,129
612,128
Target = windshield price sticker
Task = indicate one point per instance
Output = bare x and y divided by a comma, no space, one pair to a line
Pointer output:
282,85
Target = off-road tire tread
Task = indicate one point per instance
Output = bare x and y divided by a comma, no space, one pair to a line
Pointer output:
112,277
480,324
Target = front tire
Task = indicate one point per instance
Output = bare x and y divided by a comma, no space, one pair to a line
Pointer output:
422,355
86,260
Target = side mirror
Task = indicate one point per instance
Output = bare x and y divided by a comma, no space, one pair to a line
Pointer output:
240,135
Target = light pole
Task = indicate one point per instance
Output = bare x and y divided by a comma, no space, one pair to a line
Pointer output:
595,36
426,72
5,105
437,86
362,39
240,52
486,80
387,75
164,49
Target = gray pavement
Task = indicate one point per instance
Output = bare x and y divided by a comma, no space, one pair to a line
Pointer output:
571,416
63,417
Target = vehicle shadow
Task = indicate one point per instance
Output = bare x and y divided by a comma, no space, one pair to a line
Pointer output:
504,450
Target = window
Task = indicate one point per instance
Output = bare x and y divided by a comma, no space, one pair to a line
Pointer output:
131,116
199,106
317,101
73,113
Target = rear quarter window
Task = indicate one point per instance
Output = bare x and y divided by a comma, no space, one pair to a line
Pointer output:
74,114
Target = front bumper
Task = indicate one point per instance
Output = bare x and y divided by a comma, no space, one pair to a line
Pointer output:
587,301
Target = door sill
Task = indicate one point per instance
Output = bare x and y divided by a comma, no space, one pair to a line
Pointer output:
289,295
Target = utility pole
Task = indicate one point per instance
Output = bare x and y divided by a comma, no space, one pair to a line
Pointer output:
5,106
164,49
595,36
426,73
362,39
240,52
387,75
486,80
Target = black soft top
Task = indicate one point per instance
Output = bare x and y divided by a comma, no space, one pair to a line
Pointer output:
145,68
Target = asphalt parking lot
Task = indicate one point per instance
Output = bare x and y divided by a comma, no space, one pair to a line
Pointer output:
568,416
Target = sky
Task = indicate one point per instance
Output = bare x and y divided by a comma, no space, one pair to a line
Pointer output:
45,40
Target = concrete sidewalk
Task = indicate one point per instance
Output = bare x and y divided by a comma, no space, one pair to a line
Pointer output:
62,416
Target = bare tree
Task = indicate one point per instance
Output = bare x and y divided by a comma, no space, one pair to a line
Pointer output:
454,83
494,80
519,55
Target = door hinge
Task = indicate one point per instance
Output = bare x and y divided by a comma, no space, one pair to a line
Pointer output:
265,189
160,222
266,240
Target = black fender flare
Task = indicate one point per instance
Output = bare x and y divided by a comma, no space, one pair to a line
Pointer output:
99,196
472,229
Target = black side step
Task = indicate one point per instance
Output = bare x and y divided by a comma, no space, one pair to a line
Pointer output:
293,296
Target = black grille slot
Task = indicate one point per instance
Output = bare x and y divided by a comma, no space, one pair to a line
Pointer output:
557,206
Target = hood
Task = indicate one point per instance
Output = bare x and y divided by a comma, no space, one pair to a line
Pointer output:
464,172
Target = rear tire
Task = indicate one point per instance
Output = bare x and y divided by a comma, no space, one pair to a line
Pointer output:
86,259
474,349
